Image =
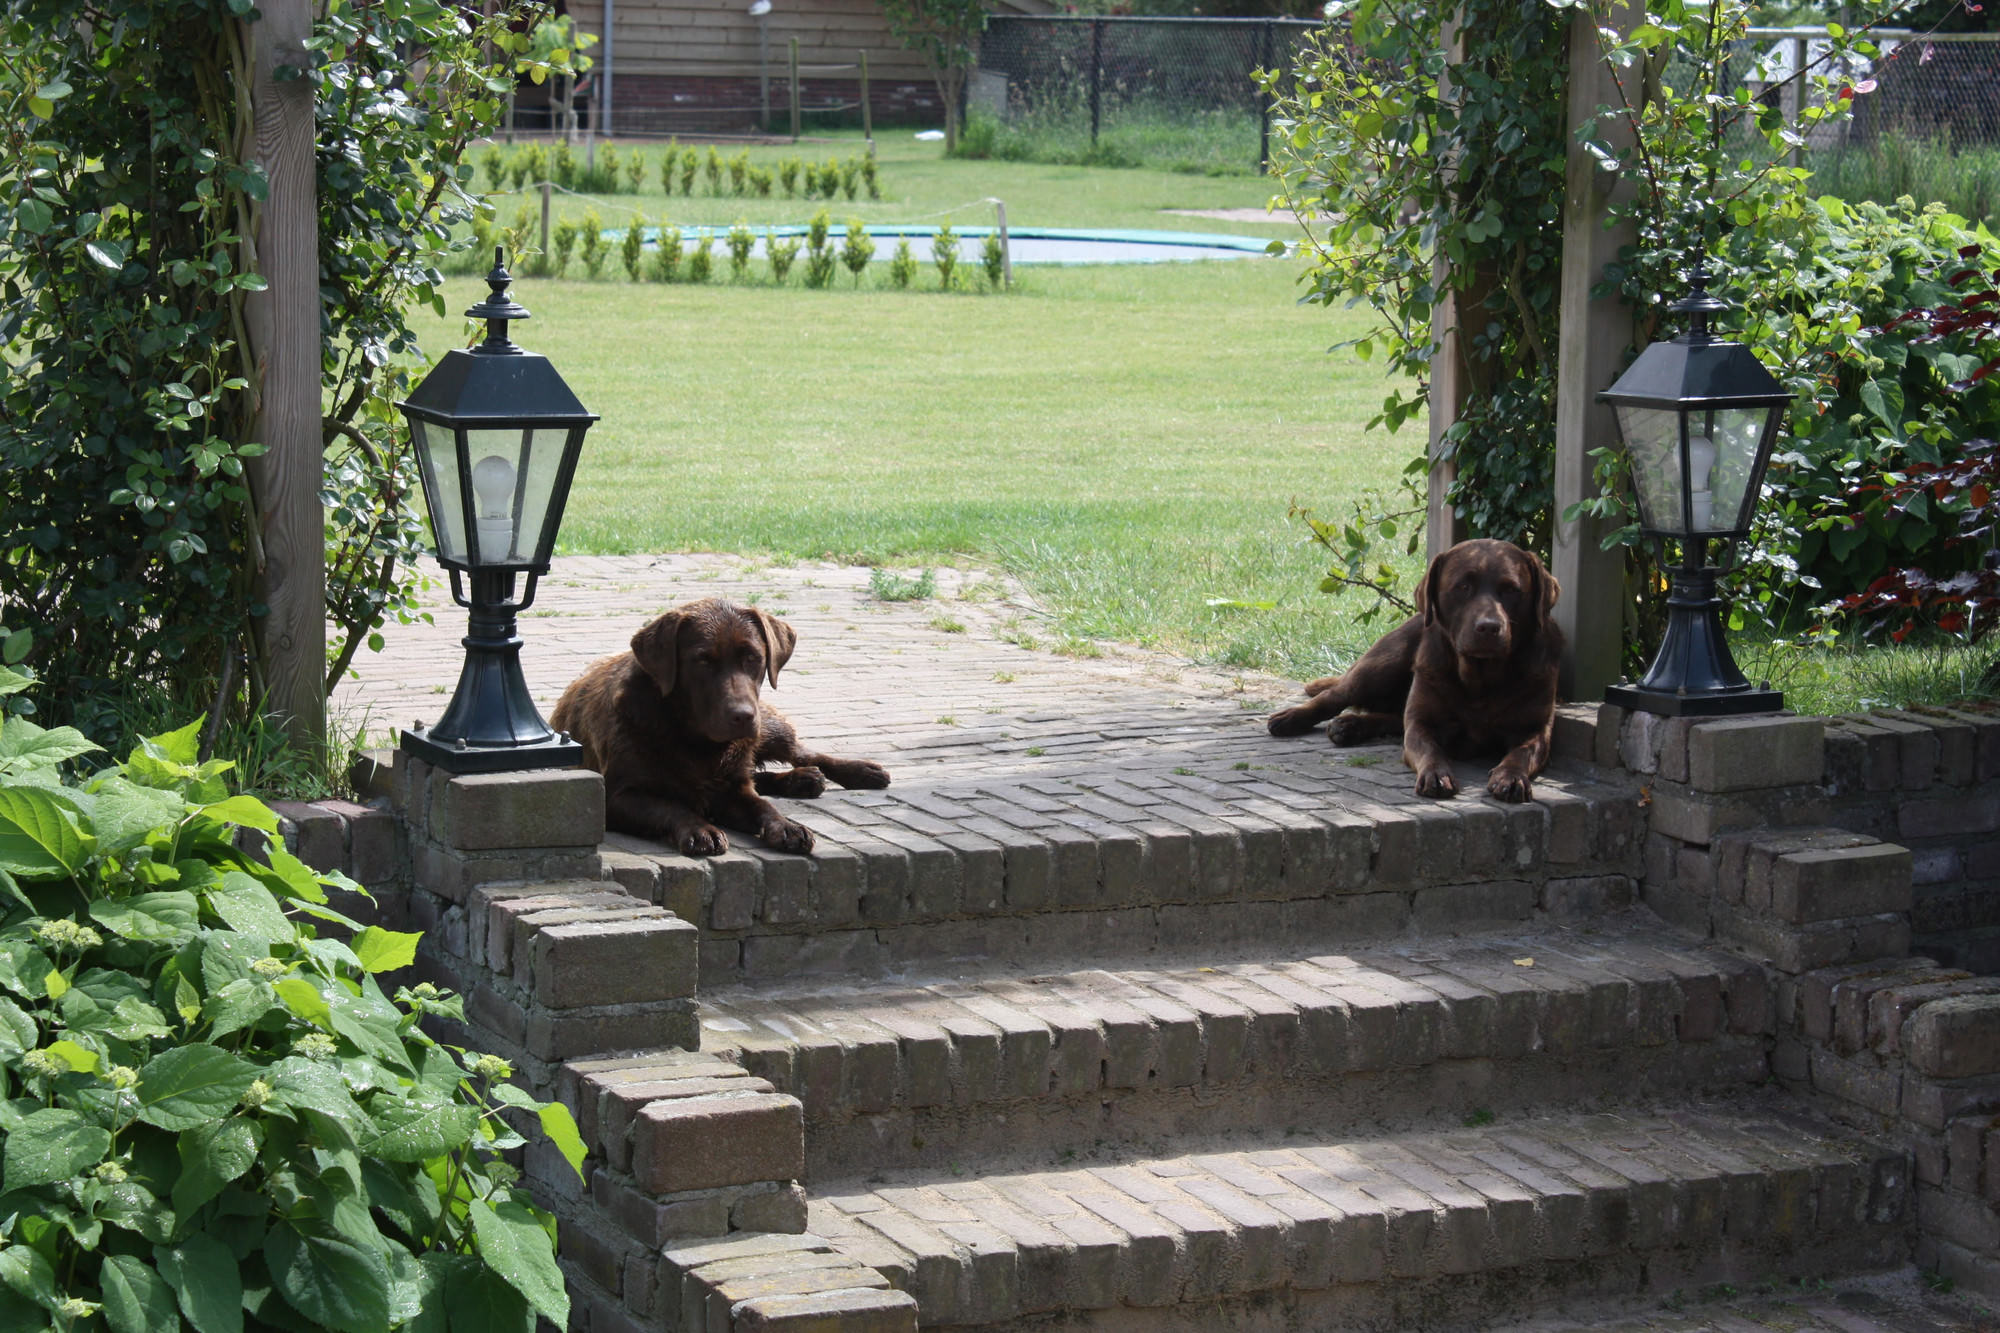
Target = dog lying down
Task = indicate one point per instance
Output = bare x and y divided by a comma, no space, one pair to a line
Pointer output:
677,730
1472,673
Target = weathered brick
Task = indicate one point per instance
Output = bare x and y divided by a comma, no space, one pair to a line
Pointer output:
693,1143
508,811
615,962
1742,754
1957,816
850,1311
1853,881
315,832
1956,1037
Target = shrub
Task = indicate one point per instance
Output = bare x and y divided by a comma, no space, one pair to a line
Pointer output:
944,253
526,165
520,240
562,165
868,174
817,229
857,249
632,246
216,1107
788,177
781,253
902,265
850,176
701,259
712,169
670,163
494,163
760,181
690,163
820,255
667,252
993,258
741,241
811,190
595,251
604,176
739,172
829,178
565,241
635,172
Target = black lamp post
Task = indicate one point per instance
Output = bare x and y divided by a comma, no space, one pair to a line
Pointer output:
497,435
1698,416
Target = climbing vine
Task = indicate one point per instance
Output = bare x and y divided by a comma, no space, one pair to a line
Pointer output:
128,200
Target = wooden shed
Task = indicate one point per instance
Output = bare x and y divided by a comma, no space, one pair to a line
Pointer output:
680,66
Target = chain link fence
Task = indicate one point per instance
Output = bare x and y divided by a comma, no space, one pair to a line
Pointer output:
1925,114
1162,92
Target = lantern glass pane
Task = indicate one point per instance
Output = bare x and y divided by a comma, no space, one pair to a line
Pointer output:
1653,444
542,454
496,494
437,455
1737,433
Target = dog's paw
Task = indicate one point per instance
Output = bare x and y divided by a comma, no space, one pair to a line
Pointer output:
1322,685
801,784
704,840
865,774
1436,782
1510,785
786,836
1350,729
1290,722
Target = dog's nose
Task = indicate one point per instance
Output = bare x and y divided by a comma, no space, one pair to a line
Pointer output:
1488,627
742,716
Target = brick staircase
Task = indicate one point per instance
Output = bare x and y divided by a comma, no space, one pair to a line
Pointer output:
1115,1013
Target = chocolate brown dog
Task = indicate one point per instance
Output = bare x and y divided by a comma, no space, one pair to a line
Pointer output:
677,730
1472,673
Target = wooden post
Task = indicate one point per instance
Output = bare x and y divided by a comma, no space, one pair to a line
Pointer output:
282,323
541,260
867,109
1591,343
795,90
1442,528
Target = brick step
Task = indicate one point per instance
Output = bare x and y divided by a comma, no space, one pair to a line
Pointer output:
1209,854
933,1069
1457,1229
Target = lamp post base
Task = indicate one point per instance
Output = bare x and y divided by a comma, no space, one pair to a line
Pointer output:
459,756
1693,674
1676,703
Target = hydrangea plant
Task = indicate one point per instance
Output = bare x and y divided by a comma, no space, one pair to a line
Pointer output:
212,1116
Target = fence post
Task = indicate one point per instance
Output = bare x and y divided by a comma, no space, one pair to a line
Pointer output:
867,111
1798,95
1006,250
795,90
1096,74
547,190
1264,100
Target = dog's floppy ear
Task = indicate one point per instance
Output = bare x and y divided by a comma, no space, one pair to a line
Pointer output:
1543,589
657,650
778,640
1427,590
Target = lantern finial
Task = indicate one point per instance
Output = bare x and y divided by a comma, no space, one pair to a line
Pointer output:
497,309
1699,304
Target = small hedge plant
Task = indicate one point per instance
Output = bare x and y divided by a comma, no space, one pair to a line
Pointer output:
211,1115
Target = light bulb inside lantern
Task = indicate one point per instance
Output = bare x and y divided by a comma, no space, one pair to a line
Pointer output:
493,483
1701,470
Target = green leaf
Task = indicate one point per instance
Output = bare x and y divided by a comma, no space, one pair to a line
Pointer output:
330,1280
560,1126
515,1245
18,1033
204,1276
48,1145
38,834
175,747
108,253
79,1060
414,1130
481,1301
22,968
386,950
136,1299
191,1085
126,813
212,1156
1885,400
26,1273
25,745
238,1005
372,1024
132,1206
165,916
304,1000
248,908
245,810
33,216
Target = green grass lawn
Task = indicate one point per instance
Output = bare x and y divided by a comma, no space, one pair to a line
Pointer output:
1127,440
